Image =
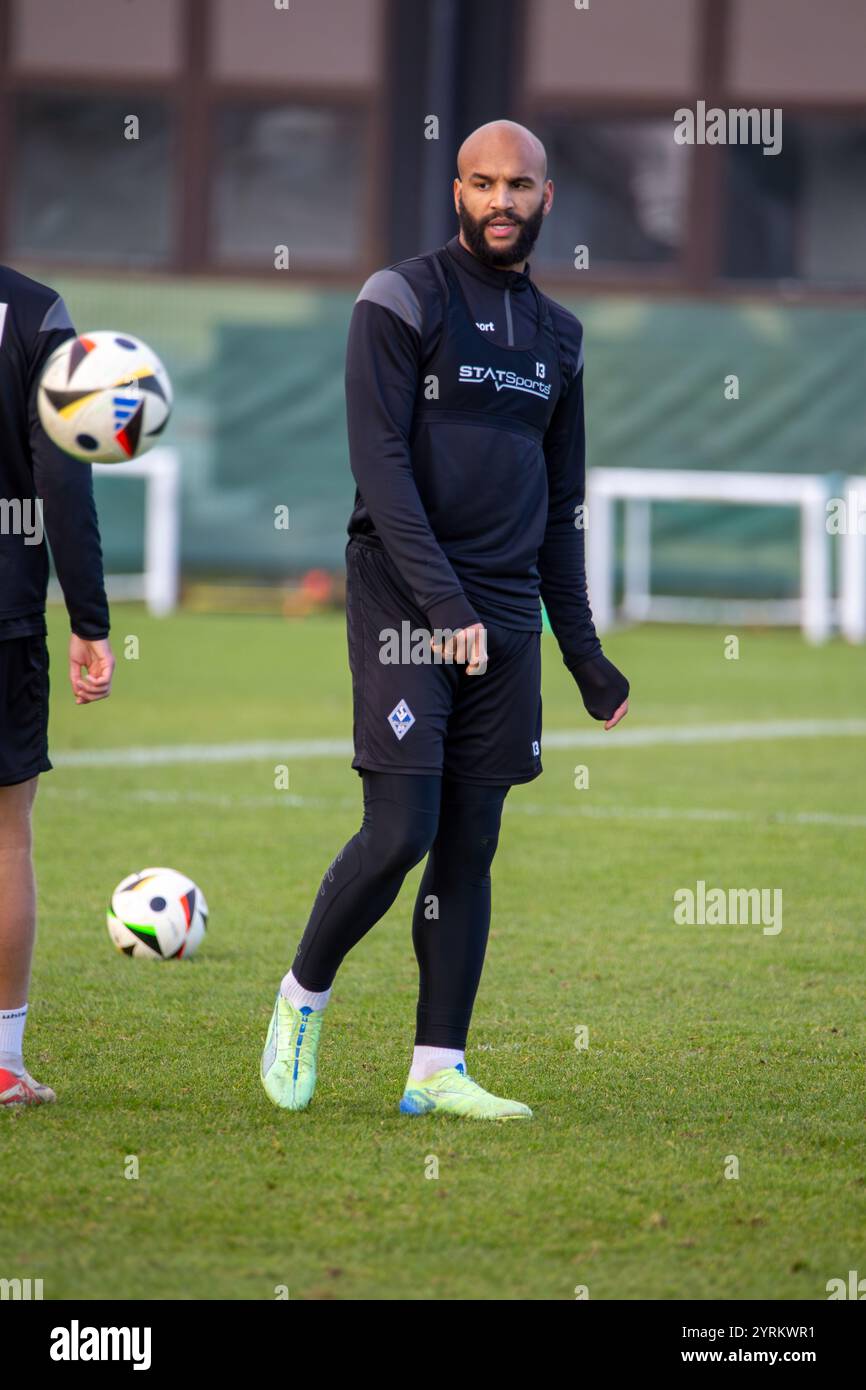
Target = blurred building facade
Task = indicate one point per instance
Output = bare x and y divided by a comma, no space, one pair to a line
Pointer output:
309,121
259,126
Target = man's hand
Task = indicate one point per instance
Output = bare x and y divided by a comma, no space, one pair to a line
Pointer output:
617,715
603,688
467,644
97,659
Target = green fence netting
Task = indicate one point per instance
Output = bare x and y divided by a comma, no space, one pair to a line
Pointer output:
259,419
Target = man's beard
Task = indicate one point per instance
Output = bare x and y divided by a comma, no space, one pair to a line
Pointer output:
527,235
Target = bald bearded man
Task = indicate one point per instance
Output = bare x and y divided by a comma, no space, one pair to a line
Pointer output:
464,392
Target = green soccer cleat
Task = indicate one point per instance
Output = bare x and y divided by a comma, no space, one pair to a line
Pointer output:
288,1068
452,1092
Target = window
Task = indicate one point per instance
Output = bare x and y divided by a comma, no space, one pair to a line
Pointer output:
288,175
799,214
82,190
620,189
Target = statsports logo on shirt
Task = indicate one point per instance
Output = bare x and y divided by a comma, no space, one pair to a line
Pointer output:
533,386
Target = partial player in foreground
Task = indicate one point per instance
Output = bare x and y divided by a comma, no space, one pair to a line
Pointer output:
42,491
464,392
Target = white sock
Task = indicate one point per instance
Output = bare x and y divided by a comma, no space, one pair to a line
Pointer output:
300,997
12,1023
427,1060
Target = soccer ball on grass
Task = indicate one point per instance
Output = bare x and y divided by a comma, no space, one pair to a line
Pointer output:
157,914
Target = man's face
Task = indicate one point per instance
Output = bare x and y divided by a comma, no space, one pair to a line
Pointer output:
501,215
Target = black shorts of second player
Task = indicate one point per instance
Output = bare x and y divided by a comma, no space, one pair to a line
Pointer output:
23,709
419,717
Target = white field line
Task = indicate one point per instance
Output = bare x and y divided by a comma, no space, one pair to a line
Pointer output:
287,749
766,820
172,753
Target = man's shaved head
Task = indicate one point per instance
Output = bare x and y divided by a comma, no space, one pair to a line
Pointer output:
498,140
502,193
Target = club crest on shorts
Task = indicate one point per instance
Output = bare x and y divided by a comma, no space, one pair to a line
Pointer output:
401,719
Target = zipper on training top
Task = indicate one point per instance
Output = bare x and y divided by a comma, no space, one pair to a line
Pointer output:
508,317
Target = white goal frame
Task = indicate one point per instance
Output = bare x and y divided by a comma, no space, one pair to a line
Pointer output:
852,564
158,584
816,610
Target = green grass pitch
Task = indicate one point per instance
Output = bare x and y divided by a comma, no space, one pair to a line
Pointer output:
704,1041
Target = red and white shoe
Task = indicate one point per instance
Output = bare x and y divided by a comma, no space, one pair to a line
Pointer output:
23,1090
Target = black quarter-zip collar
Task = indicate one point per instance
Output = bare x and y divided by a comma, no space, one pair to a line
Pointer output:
514,280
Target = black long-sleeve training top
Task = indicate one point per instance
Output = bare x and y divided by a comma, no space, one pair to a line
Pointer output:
33,322
464,394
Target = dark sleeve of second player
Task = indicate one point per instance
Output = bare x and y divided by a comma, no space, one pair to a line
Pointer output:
65,486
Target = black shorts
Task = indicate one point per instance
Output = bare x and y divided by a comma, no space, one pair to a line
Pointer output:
434,718
23,709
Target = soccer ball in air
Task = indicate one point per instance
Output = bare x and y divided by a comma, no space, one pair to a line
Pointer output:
157,914
104,397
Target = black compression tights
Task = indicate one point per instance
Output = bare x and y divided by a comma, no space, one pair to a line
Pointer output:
405,817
